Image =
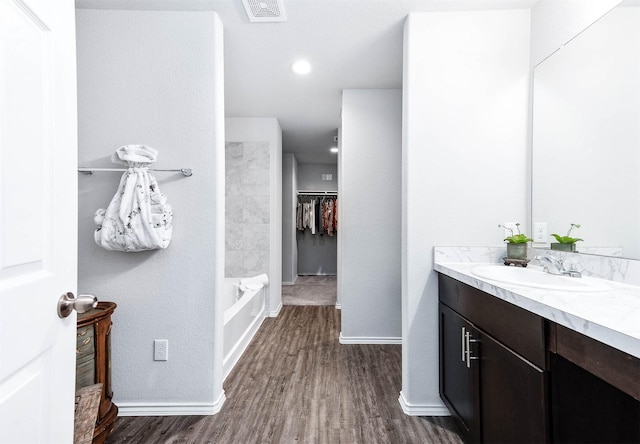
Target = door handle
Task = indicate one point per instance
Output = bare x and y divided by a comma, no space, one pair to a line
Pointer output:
464,343
69,302
469,339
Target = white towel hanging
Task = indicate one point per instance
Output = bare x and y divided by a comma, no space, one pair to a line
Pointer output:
138,217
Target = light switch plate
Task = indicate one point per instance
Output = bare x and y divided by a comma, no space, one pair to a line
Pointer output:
161,350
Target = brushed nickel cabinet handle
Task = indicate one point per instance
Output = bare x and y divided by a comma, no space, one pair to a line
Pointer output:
469,339
464,342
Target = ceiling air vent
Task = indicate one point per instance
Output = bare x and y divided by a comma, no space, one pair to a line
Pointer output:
265,10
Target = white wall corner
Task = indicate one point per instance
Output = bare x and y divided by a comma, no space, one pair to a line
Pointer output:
434,409
274,313
486,69
295,279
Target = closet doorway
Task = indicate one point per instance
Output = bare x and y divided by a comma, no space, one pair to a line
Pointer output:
313,192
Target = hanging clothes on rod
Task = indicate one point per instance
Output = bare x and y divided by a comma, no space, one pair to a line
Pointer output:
317,212
317,193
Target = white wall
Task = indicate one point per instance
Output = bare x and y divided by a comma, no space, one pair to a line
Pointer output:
464,162
310,177
156,78
555,22
289,200
340,240
369,215
266,129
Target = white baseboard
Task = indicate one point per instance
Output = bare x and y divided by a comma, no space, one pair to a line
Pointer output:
369,340
276,312
338,306
295,278
438,409
170,409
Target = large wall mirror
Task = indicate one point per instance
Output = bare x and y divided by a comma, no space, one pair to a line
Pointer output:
586,136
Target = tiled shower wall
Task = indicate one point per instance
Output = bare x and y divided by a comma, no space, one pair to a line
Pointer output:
247,208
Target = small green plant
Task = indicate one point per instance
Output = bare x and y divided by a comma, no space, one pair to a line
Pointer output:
516,238
568,239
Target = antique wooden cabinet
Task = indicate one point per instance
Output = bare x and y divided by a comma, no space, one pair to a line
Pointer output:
93,363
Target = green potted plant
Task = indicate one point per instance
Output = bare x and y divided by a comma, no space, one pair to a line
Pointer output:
516,243
566,243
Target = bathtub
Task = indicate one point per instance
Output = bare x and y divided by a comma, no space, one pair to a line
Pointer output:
243,314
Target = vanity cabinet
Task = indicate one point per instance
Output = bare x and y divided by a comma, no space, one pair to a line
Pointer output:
595,390
493,363
508,375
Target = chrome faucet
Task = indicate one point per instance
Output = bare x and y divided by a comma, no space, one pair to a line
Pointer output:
550,264
555,266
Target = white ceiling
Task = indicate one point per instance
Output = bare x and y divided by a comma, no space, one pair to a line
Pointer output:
350,44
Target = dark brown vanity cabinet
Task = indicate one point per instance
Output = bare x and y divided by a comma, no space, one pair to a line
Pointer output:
492,366
595,390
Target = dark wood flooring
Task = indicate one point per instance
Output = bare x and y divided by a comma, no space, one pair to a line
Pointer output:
297,383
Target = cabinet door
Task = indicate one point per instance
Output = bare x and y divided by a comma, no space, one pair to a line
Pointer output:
512,393
459,382
586,409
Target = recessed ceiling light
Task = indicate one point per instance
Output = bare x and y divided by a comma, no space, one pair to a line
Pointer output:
301,67
334,149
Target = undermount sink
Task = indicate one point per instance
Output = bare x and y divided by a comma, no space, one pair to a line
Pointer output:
534,277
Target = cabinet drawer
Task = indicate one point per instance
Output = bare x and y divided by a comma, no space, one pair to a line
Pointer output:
616,367
518,329
85,347
85,373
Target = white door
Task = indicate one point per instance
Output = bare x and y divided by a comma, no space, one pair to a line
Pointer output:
38,221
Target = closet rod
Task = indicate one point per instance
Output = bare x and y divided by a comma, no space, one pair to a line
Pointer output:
317,193
186,171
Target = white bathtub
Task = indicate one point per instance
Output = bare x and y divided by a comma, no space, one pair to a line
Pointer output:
242,318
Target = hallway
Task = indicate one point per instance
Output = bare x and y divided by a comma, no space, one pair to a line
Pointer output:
296,383
311,290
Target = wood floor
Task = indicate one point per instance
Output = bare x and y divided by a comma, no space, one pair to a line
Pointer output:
297,384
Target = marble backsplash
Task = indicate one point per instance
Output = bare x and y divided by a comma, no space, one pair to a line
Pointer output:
247,208
626,271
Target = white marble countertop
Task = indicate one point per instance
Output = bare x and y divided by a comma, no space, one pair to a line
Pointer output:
611,317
